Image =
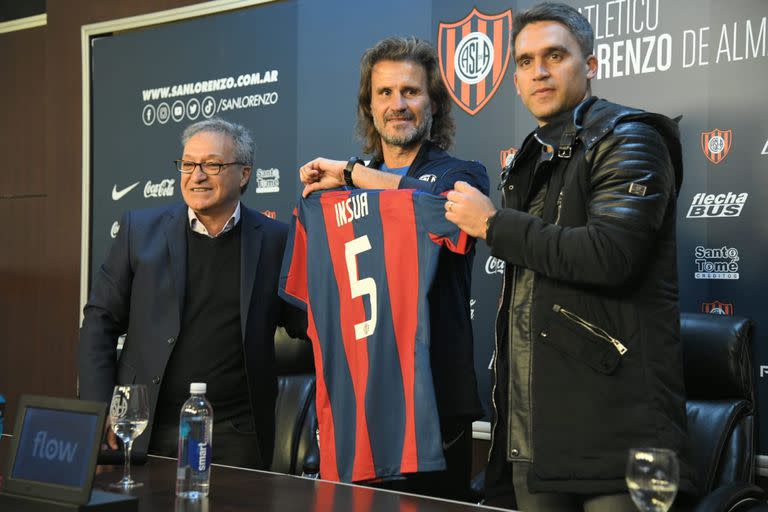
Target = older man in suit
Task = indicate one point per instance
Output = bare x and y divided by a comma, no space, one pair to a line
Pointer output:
194,287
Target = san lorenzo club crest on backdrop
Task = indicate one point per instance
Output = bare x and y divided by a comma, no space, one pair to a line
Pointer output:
717,308
716,144
474,54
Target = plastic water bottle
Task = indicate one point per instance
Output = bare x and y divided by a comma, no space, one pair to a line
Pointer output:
195,442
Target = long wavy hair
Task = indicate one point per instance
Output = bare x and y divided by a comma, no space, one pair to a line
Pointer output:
404,49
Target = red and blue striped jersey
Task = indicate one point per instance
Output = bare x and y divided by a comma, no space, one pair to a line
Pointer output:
361,263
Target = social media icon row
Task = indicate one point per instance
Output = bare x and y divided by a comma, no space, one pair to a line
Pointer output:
178,111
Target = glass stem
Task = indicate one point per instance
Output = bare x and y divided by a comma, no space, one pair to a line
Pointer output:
127,465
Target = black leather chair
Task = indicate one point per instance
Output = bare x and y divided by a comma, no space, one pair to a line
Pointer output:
295,416
721,414
720,410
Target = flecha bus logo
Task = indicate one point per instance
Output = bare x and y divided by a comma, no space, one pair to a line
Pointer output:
716,144
474,54
727,204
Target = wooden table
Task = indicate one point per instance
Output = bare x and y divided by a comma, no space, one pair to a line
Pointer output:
237,489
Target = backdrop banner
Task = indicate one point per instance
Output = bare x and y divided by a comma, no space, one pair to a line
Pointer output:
289,71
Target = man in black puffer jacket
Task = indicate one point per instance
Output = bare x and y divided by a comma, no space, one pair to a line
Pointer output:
588,358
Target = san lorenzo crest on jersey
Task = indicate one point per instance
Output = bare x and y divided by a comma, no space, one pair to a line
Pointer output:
506,156
474,54
716,144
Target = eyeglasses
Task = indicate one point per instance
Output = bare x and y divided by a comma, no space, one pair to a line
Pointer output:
209,168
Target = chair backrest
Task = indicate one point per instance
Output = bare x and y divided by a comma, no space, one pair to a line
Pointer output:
721,398
295,417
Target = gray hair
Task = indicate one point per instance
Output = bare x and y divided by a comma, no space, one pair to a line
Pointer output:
241,138
576,24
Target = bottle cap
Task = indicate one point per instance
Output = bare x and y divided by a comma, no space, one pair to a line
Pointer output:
198,388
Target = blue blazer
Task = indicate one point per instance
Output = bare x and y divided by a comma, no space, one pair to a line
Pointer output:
139,290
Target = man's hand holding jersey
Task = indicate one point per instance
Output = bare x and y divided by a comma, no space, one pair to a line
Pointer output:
469,209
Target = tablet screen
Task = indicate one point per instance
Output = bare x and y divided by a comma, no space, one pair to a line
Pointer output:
52,446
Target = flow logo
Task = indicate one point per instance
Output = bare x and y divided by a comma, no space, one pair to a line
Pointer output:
119,194
53,449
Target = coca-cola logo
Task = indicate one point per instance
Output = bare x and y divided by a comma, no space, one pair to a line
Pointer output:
162,189
494,266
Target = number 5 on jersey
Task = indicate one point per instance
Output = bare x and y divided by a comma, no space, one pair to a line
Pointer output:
360,287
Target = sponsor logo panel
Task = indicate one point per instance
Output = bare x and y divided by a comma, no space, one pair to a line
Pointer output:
716,263
162,189
119,194
267,181
494,266
728,204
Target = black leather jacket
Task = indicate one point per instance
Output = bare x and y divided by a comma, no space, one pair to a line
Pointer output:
604,365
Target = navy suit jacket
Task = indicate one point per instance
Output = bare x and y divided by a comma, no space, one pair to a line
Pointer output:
139,290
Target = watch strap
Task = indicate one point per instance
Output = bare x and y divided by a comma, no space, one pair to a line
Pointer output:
349,168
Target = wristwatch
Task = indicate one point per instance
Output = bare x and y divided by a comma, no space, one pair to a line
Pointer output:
348,170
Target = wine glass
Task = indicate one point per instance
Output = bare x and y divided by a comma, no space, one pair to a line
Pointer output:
129,415
652,478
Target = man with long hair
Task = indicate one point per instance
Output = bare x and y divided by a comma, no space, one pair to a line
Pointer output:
405,123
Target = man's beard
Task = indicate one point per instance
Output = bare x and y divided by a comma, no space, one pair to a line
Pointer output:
409,138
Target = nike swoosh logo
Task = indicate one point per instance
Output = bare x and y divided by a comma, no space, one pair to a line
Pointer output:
452,442
118,194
